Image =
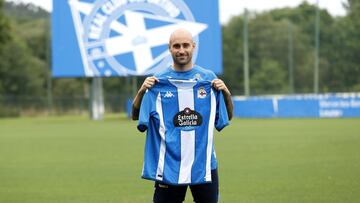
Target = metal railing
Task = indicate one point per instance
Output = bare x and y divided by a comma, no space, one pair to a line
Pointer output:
14,106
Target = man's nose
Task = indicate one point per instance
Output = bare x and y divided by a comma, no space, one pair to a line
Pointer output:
182,50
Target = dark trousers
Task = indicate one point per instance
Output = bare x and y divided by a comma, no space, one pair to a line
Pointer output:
202,193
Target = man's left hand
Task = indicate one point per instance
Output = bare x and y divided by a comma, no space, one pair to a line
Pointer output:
220,86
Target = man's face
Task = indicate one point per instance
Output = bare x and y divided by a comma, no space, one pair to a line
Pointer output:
181,49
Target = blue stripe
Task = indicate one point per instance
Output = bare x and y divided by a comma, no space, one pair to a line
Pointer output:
172,140
201,133
152,147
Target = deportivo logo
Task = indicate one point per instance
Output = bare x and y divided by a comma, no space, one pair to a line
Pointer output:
129,37
187,118
201,93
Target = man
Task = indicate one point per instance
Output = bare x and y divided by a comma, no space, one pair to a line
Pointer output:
181,47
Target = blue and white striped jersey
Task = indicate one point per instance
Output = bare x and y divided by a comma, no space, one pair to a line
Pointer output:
180,116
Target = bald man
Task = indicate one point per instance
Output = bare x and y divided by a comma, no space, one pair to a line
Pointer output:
181,47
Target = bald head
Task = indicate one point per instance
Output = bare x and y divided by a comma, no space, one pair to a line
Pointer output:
181,47
180,34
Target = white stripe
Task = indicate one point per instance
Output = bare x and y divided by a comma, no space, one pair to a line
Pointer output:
160,168
186,100
275,105
210,137
187,156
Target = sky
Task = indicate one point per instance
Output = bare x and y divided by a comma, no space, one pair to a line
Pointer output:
228,8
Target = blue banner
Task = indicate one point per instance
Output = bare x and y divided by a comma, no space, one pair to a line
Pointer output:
110,38
298,106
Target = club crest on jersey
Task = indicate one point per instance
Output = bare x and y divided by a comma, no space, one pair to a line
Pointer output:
201,93
118,37
187,118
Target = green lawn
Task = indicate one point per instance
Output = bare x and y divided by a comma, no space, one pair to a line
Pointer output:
73,159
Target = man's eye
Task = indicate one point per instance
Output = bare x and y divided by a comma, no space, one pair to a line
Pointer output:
186,46
176,46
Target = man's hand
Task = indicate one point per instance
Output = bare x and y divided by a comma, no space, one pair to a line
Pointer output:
220,86
148,83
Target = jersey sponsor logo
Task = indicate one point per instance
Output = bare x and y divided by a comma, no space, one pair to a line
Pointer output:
188,119
201,93
129,37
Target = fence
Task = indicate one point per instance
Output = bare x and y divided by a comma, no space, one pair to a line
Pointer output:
298,106
13,106
278,106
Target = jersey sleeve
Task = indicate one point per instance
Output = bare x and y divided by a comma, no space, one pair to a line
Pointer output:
213,76
146,108
221,118
210,76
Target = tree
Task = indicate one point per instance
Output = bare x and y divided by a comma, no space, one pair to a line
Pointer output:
268,54
268,43
4,25
20,73
233,54
268,46
269,78
351,43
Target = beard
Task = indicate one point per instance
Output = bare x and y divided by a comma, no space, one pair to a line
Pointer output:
182,60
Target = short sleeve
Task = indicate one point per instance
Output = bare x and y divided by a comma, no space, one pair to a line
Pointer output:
210,75
146,107
213,76
221,118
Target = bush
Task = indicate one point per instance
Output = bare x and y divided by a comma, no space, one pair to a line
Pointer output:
6,111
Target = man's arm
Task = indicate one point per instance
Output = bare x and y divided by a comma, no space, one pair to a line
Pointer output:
148,83
220,85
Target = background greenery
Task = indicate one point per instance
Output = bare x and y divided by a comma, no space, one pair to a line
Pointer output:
25,52
26,87
73,159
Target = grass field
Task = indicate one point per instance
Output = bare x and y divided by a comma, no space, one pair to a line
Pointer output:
73,159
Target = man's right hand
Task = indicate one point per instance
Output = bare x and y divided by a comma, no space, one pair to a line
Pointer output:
148,83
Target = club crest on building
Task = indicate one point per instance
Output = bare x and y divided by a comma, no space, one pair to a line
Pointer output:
201,93
129,37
